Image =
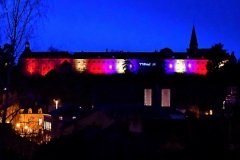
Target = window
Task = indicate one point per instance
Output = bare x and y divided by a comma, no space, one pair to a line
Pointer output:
47,126
40,121
147,97
73,117
60,118
30,110
165,97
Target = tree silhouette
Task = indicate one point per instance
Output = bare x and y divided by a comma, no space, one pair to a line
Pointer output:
128,66
217,57
19,20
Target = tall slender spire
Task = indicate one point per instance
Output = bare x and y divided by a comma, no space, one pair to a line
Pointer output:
193,42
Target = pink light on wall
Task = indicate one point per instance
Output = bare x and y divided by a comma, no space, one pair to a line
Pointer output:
110,67
170,65
189,65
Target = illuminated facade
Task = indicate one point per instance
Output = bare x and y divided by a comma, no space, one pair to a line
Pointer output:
194,61
98,66
192,66
110,62
40,63
26,122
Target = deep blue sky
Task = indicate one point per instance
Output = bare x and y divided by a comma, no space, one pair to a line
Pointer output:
140,25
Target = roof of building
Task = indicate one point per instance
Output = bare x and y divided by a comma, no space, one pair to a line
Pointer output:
114,55
45,55
65,110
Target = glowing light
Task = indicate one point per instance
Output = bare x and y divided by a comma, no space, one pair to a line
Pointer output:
26,127
56,102
18,124
110,67
210,112
130,66
189,66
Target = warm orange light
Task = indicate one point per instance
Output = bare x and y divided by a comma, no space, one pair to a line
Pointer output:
26,127
56,102
18,124
210,112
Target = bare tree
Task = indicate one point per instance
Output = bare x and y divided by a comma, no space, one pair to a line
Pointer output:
20,20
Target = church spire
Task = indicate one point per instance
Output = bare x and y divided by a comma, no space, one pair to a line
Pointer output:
193,42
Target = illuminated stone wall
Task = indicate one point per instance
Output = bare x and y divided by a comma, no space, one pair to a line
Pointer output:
29,124
192,66
98,66
25,123
41,66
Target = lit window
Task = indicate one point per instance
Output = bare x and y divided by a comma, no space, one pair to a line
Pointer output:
110,66
170,66
189,65
47,126
60,118
166,97
147,97
210,112
40,121
73,117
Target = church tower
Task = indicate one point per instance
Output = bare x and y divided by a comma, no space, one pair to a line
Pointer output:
193,42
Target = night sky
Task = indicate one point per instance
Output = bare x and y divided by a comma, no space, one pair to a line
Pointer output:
139,25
